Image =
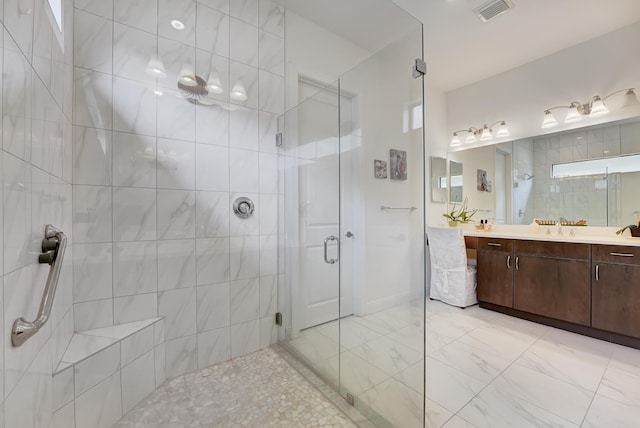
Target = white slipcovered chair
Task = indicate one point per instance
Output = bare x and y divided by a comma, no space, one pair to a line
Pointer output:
452,280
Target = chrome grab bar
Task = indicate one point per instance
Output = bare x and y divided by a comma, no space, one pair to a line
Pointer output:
384,208
326,244
53,246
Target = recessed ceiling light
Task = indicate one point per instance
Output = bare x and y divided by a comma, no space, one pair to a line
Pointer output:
177,24
158,93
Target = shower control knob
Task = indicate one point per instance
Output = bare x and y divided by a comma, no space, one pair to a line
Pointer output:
243,207
349,234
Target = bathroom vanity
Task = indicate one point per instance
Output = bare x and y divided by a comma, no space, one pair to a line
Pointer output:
585,284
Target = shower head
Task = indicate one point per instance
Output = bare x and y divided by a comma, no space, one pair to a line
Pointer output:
194,93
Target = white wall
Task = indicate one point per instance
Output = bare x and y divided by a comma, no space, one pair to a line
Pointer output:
482,158
519,96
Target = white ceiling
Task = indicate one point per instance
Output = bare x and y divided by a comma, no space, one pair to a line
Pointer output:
459,48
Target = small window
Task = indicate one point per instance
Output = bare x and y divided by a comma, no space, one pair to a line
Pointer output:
627,163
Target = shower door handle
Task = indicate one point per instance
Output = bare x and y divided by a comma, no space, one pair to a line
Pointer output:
326,248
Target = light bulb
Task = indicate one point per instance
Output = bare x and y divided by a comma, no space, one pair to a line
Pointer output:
549,121
471,137
187,76
486,134
455,141
573,115
630,99
597,107
503,131
239,93
213,84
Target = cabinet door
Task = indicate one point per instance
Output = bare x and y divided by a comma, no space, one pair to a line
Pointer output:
495,278
555,288
616,298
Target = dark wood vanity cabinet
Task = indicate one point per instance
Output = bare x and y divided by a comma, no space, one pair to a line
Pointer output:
552,279
495,271
616,289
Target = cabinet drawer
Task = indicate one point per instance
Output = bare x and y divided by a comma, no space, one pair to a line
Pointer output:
496,244
564,250
616,254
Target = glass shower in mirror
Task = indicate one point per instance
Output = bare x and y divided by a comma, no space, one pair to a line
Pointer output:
455,182
438,180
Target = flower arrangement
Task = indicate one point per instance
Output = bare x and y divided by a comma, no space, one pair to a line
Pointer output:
460,214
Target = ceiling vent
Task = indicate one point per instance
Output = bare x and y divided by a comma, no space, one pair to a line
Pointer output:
493,9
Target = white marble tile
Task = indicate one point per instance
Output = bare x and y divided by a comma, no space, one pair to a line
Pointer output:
268,128
271,17
449,387
245,338
64,417
141,14
18,20
93,99
212,125
214,69
246,10
268,296
268,214
96,368
244,129
159,354
268,255
314,346
268,332
387,355
213,347
138,380
497,340
101,406
16,101
356,374
179,309
351,332
268,173
159,332
176,118
135,268
455,422
135,308
134,214
132,51
83,346
244,300
91,156
247,76
16,200
394,404
244,257
94,314
243,46
134,107
213,260
134,160
92,41
498,408
271,53
213,306
185,11
99,7
244,171
176,214
181,356
63,386
121,331
212,168
176,264
560,398
212,32
621,386
92,268
605,412
625,359
177,59
176,164
271,92
221,5
212,214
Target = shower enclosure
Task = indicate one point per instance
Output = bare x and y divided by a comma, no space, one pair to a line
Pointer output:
352,293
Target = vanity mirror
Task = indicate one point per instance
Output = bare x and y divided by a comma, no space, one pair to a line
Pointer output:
456,180
571,175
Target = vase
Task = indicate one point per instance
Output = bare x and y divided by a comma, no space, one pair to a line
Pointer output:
453,223
635,232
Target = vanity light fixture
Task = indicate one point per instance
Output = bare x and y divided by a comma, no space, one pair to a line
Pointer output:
155,67
594,108
484,134
238,93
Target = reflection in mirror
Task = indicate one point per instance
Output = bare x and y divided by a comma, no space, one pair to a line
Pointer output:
599,194
455,178
438,180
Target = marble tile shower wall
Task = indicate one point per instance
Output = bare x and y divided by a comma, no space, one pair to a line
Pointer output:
36,169
155,174
576,199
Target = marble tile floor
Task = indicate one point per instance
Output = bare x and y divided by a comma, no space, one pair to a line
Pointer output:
256,390
483,369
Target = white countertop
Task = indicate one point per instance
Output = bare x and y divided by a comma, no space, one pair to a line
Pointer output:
585,235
